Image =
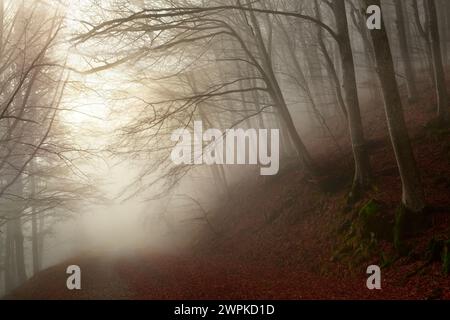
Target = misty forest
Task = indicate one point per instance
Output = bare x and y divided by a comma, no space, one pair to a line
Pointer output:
92,92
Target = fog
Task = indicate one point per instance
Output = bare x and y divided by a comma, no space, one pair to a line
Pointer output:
93,91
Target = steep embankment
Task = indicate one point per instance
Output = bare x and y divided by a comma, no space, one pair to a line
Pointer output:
285,239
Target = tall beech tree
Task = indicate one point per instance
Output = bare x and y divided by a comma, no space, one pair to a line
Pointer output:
363,172
405,51
443,109
412,192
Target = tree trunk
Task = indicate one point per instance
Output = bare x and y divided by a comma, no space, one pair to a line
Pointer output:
424,32
34,230
2,260
438,68
329,65
412,193
363,173
257,102
278,98
10,275
19,250
443,8
15,272
405,54
41,238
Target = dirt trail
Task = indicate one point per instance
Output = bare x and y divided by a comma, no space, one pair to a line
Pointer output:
168,277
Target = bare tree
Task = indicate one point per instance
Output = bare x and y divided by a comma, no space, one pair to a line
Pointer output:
412,198
438,68
405,52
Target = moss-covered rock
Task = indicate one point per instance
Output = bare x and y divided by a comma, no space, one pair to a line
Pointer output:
371,222
361,232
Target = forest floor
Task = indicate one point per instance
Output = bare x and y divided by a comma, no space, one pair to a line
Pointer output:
285,244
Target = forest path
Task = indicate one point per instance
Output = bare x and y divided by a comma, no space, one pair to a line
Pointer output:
156,276
99,280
